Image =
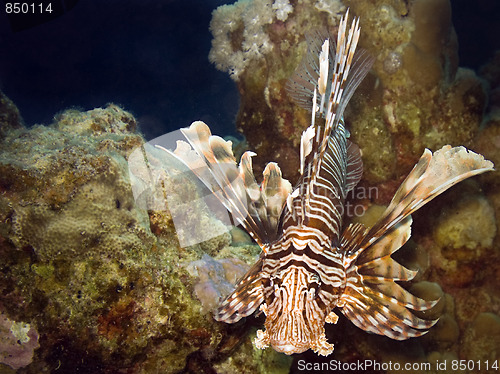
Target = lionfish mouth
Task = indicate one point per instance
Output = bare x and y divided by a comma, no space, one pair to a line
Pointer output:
291,333
290,347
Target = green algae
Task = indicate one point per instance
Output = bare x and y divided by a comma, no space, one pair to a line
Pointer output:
113,293
102,279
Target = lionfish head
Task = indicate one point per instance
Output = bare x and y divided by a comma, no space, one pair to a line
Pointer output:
294,320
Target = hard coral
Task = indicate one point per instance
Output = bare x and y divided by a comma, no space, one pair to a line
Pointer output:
416,98
216,279
260,48
481,335
10,118
469,224
239,35
99,273
18,340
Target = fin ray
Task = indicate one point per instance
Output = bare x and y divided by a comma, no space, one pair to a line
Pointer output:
255,207
331,165
379,315
329,144
386,267
372,300
354,169
432,175
245,299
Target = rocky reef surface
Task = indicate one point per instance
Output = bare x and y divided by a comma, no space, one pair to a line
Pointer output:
92,282
95,283
415,97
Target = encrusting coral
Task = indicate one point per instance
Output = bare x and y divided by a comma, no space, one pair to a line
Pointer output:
470,223
415,97
10,117
107,287
104,282
18,341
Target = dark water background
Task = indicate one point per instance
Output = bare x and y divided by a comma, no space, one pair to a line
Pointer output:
151,57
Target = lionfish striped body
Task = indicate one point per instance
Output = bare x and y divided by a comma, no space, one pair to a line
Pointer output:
310,263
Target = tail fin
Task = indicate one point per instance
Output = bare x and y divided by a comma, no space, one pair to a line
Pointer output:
372,300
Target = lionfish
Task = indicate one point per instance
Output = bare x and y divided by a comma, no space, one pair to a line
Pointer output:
310,263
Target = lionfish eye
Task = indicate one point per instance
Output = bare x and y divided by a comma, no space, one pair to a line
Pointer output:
314,285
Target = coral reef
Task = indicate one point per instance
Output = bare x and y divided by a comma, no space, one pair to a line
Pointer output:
483,333
415,97
9,116
260,48
18,340
244,32
216,279
103,281
468,223
100,280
